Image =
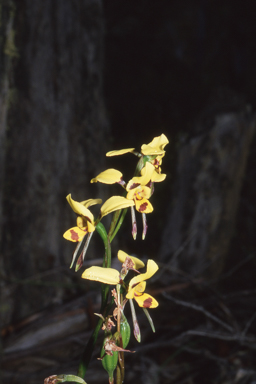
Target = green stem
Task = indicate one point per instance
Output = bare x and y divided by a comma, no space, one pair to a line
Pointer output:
87,354
106,262
114,221
118,225
103,234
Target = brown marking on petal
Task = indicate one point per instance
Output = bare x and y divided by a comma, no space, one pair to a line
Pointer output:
86,219
138,196
74,235
137,294
143,207
147,303
134,185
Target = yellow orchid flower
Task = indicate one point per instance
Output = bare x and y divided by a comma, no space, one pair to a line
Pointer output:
111,276
86,223
139,191
137,284
110,176
157,162
121,255
155,147
85,220
140,196
156,176
137,287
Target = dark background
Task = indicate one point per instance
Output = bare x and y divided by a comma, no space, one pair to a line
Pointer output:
167,64
85,77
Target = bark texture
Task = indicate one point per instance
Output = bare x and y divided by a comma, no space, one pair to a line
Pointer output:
52,140
209,176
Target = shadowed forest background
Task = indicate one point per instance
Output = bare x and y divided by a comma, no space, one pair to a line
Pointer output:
80,78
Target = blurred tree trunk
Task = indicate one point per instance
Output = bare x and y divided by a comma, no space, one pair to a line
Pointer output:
209,175
52,140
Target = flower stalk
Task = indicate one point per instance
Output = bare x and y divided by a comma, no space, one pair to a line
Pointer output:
129,283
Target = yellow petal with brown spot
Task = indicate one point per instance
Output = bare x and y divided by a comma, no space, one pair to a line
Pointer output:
74,234
146,301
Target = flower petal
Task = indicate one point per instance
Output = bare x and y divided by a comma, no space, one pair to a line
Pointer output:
146,172
137,290
156,146
158,177
114,203
90,202
138,192
146,301
152,267
90,227
74,234
151,174
79,208
122,256
120,152
140,288
110,176
81,222
143,206
104,275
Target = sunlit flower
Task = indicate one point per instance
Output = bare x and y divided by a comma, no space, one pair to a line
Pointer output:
137,287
